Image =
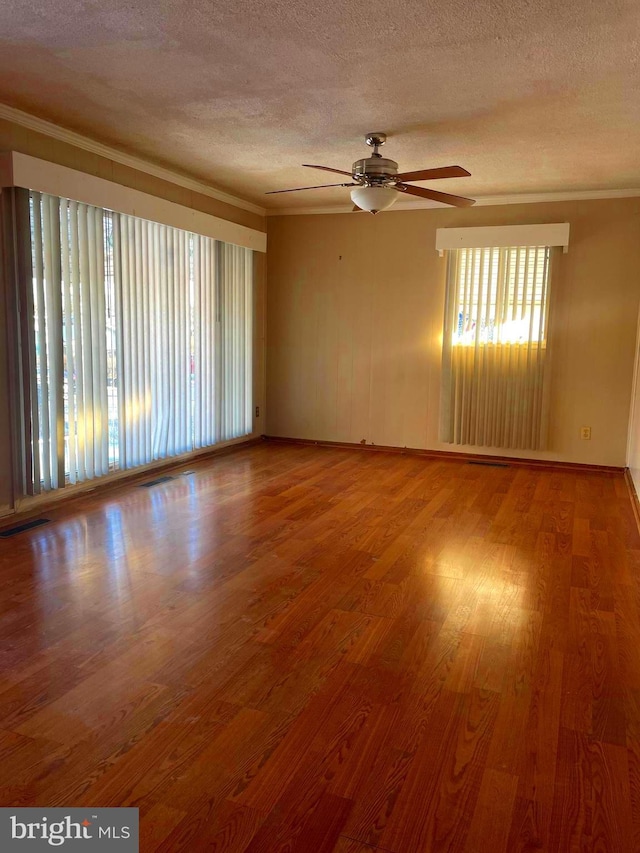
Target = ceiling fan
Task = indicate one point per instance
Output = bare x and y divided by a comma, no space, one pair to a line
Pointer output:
377,182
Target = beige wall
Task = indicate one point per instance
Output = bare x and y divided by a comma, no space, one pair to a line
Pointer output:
16,138
354,323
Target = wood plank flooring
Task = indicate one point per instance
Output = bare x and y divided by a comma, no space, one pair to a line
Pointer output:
316,649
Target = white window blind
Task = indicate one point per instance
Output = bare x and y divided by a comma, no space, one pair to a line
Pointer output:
71,419
495,353
152,278
142,342
235,277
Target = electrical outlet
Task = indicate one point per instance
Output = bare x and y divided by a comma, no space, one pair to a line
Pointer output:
257,411
585,433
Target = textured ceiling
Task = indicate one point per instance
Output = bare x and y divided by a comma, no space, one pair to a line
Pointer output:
529,95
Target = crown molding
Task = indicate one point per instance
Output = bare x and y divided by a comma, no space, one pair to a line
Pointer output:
482,201
61,134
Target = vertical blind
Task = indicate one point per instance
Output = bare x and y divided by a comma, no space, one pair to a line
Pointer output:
141,342
495,348
235,277
152,284
70,407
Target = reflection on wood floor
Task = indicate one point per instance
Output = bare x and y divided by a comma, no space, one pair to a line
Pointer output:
308,649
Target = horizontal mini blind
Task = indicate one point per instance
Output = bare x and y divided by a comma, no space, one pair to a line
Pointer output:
140,343
495,349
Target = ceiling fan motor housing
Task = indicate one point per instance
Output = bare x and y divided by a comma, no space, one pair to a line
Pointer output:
374,170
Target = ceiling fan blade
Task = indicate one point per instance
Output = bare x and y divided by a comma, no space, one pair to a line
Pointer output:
319,187
434,195
433,174
326,169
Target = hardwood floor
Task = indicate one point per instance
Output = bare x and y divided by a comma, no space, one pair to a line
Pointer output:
313,649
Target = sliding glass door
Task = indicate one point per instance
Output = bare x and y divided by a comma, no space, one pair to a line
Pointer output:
140,346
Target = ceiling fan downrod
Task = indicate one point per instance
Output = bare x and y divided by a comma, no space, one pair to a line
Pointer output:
375,140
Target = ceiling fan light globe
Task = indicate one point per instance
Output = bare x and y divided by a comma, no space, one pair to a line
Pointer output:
374,199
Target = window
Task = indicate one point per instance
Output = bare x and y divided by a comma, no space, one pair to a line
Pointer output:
501,295
141,342
494,387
